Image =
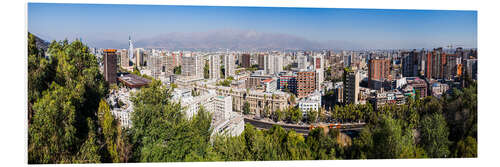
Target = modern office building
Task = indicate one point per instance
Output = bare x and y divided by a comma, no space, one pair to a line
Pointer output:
130,49
109,56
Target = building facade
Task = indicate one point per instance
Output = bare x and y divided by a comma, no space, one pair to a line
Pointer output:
306,83
351,86
214,67
109,71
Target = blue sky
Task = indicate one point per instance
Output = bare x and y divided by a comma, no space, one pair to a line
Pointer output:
364,28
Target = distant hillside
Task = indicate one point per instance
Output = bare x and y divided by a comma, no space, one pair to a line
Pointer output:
40,43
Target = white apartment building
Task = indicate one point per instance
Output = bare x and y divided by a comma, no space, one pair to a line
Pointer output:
223,107
278,64
311,102
214,66
229,65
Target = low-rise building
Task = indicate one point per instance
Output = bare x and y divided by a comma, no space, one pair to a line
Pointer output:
381,98
311,102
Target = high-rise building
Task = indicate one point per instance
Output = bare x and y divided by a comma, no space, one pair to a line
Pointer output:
410,64
261,61
347,60
109,56
351,86
378,72
130,49
214,66
306,83
155,63
278,64
269,64
471,68
435,64
124,60
318,67
192,65
245,60
451,66
139,57
229,65
302,61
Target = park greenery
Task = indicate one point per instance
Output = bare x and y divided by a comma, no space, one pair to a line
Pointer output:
69,121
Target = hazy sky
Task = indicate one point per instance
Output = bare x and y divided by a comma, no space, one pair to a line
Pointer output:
99,25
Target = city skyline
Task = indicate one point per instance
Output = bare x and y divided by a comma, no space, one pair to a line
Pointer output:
162,26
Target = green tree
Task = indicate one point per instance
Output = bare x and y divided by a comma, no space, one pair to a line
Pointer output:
89,151
467,148
162,133
311,116
206,70
246,108
390,137
178,70
434,136
53,135
109,130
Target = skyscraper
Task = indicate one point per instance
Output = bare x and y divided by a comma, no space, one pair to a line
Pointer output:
109,71
130,49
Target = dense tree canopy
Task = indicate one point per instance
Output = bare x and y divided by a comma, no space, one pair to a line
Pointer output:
64,89
161,132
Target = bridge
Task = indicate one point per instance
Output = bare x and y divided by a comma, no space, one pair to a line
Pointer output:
304,129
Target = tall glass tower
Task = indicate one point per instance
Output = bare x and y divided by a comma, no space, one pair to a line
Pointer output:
130,48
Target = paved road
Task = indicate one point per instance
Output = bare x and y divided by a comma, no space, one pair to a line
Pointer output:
304,129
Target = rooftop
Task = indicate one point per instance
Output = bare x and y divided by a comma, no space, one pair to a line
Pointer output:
133,81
